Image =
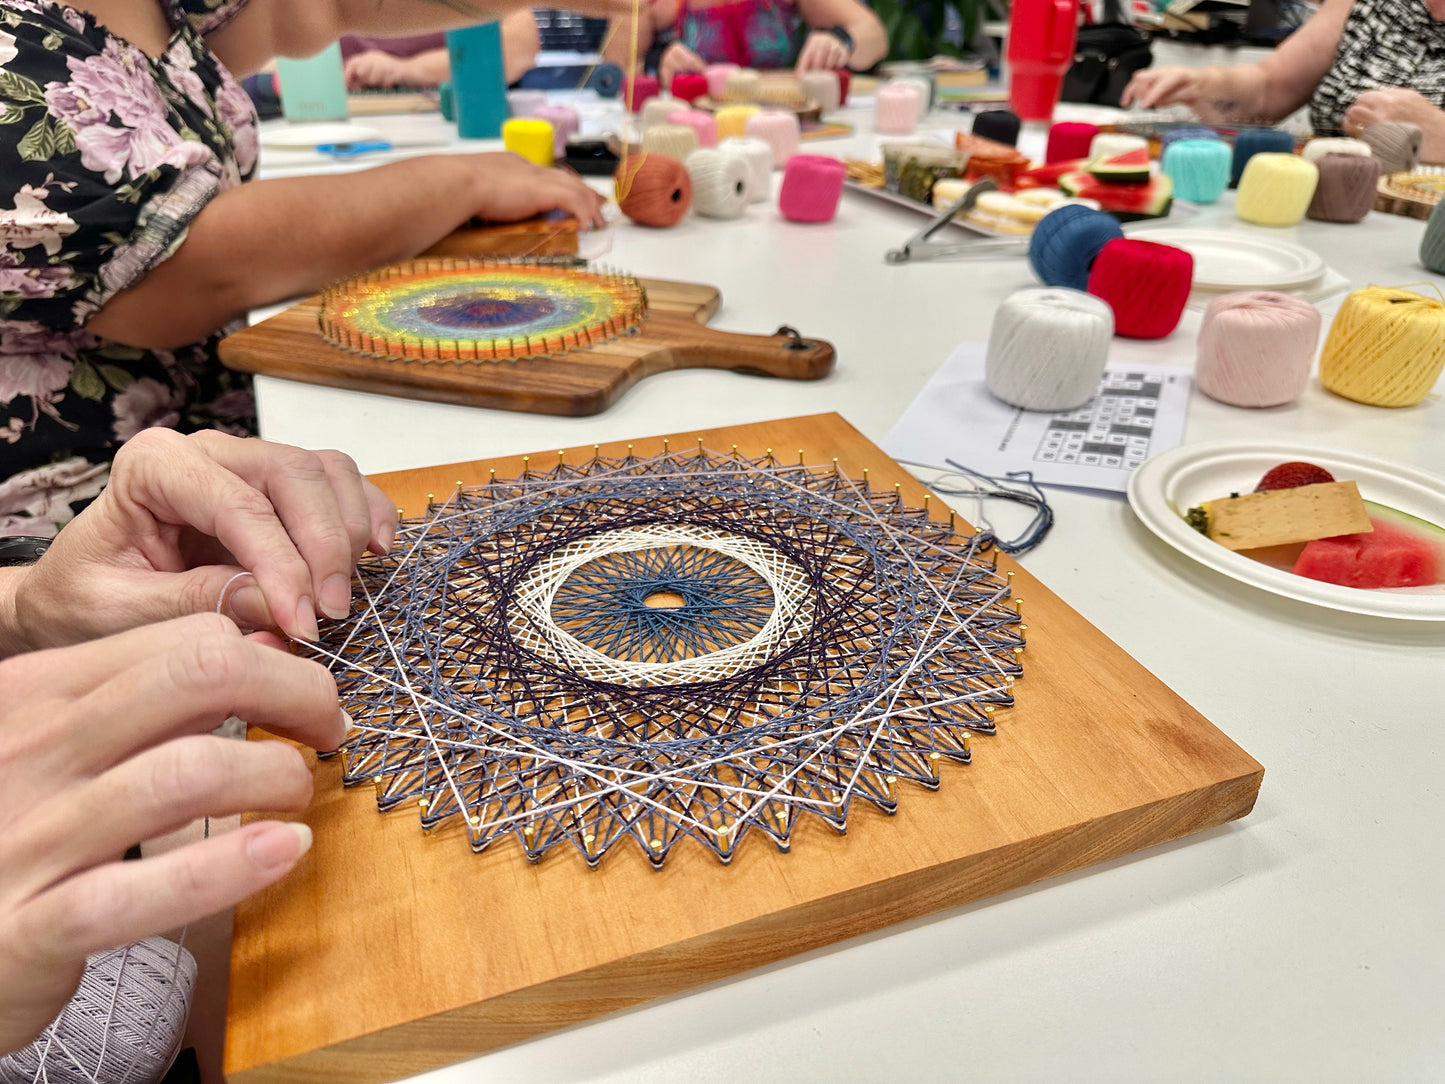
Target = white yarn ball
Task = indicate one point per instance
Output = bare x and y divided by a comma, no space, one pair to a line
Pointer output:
1110,144
758,155
719,183
1316,149
673,140
655,110
920,84
1048,347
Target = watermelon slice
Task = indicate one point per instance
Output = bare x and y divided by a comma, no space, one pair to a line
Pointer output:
1131,167
1048,176
1401,551
1126,202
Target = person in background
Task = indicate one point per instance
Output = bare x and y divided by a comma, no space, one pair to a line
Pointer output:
1355,62
130,241
115,665
687,35
421,61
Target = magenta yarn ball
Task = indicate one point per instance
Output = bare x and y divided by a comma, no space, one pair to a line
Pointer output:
812,187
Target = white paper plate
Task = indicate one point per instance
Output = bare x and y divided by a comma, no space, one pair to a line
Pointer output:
1237,260
314,135
1170,484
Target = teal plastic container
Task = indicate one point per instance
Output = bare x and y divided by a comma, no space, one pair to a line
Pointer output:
314,88
479,80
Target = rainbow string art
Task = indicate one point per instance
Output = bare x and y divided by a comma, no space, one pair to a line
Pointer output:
691,645
479,310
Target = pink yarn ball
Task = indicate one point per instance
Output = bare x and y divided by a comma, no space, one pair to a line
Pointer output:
717,79
525,103
1256,348
563,119
812,187
638,89
778,130
700,122
896,109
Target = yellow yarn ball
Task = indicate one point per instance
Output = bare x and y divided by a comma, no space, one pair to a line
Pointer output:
732,120
1276,189
531,138
1386,347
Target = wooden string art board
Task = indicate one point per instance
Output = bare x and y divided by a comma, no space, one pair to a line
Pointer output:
390,950
1413,194
545,235
568,372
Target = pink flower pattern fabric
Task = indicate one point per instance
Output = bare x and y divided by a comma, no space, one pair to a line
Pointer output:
105,157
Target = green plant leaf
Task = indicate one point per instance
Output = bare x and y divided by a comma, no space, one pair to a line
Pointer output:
119,379
38,145
17,88
86,382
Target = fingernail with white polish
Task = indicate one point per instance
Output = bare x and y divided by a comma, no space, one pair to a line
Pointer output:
336,596
279,847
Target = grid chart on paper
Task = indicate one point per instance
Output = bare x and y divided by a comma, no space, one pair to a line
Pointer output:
1113,429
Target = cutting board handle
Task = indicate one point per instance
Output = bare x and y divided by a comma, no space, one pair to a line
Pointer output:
685,344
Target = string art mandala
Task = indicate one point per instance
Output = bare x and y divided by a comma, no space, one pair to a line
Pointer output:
691,645
479,310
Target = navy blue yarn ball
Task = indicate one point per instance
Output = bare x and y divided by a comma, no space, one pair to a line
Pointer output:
1065,242
1252,141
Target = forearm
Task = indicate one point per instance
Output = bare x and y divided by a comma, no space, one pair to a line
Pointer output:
617,46
870,41
12,642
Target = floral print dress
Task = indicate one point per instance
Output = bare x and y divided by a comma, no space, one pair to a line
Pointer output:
105,157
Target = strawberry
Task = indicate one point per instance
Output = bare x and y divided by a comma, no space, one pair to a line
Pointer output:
1293,475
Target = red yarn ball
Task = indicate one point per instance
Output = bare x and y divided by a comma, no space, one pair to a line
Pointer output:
844,78
653,189
637,89
1069,140
689,86
1146,284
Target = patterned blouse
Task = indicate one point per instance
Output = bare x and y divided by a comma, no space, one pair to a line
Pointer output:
106,155
753,33
1385,43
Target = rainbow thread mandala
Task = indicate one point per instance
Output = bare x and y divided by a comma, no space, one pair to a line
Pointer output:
691,645
479,310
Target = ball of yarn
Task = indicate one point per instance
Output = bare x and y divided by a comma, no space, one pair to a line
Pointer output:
1065,243
525,103
1276,189
688,86
779,130
1256,348
717,79
1186,131
1316,149
564,122
812,187
922,85
703,124
653,189
895,109
1047,348
1346,189
1386,347
1395,143
1110,144
823,87
743,85
673,140
1432,245
657,110
1069,141
1252,141
732,120
719,183
1145,283
759,158
638,89
1199,169
845,81
533,139
999,125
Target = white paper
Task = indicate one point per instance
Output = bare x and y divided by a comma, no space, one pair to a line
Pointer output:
1138,412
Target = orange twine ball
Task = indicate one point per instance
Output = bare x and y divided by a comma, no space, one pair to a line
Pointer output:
653,190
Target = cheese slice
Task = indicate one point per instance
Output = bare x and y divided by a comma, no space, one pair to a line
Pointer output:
1281,516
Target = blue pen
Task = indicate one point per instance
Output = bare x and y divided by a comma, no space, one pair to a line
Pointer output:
351,150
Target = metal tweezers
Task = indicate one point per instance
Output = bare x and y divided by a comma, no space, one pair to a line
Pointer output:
920,247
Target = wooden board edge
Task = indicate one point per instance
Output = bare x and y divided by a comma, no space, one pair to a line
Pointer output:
477,1029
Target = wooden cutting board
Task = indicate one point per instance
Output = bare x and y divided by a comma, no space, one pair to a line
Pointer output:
673,335
388,951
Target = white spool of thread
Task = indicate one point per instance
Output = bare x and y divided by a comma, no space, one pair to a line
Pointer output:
918,83
1110,144
719,183
1256,348
655,110
823,87
1316,149
1048,347
673,140
758,156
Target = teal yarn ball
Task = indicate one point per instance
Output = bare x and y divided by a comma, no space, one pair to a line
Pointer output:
1432,245
1199,168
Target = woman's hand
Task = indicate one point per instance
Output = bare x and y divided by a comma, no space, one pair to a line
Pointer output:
823,51
677,57
1400,104
1215,94
183,519
374,68
105,745
510,188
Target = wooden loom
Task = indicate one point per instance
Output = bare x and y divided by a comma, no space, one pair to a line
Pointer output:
672,335
388,952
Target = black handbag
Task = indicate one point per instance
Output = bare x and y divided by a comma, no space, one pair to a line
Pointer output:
1106,56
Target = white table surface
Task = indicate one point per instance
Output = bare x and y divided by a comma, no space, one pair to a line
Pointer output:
1306,941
